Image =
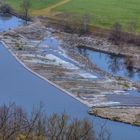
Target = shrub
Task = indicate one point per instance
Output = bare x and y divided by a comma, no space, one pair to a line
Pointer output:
18,46
116,34
5,8
116,118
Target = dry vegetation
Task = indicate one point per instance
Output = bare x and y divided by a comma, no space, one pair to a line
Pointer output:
17,124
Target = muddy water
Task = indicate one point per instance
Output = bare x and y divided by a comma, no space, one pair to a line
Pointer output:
22,87
115,64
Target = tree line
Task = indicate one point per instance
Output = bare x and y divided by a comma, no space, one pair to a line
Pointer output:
17,124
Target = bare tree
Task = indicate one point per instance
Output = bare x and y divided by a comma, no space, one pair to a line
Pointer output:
104,133
26,5
86,21
132,26
116,33
16,124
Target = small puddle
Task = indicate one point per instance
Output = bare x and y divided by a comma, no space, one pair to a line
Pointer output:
114,64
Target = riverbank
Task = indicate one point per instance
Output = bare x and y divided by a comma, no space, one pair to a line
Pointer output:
119,114
97,41
103,45
32,45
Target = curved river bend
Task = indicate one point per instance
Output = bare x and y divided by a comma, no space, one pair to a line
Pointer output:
22,87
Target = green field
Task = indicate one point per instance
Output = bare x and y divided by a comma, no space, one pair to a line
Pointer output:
103,13
36,4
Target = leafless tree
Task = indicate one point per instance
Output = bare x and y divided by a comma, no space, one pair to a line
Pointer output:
26,5
61,128
104,134
116,33
16,124
86,22
132,26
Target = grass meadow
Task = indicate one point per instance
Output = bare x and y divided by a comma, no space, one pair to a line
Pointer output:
103,13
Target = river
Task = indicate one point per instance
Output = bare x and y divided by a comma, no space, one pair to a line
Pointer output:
19,85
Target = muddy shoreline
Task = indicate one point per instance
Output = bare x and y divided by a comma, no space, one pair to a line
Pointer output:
79,77
118,114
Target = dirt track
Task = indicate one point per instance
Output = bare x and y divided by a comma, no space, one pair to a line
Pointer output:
48,11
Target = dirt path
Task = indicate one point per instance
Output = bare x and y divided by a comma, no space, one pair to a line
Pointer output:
48,10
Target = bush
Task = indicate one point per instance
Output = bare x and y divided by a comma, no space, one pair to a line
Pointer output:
5,8
116,118
116,34
18,46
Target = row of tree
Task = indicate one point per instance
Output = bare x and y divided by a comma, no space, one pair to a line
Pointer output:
118,36
17,124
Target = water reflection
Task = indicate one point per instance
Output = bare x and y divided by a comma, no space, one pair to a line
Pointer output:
115,64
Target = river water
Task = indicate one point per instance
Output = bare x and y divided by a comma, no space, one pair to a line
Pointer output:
25,89
8,22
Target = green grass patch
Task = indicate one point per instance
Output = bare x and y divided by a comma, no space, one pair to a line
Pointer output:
36,4
104,13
